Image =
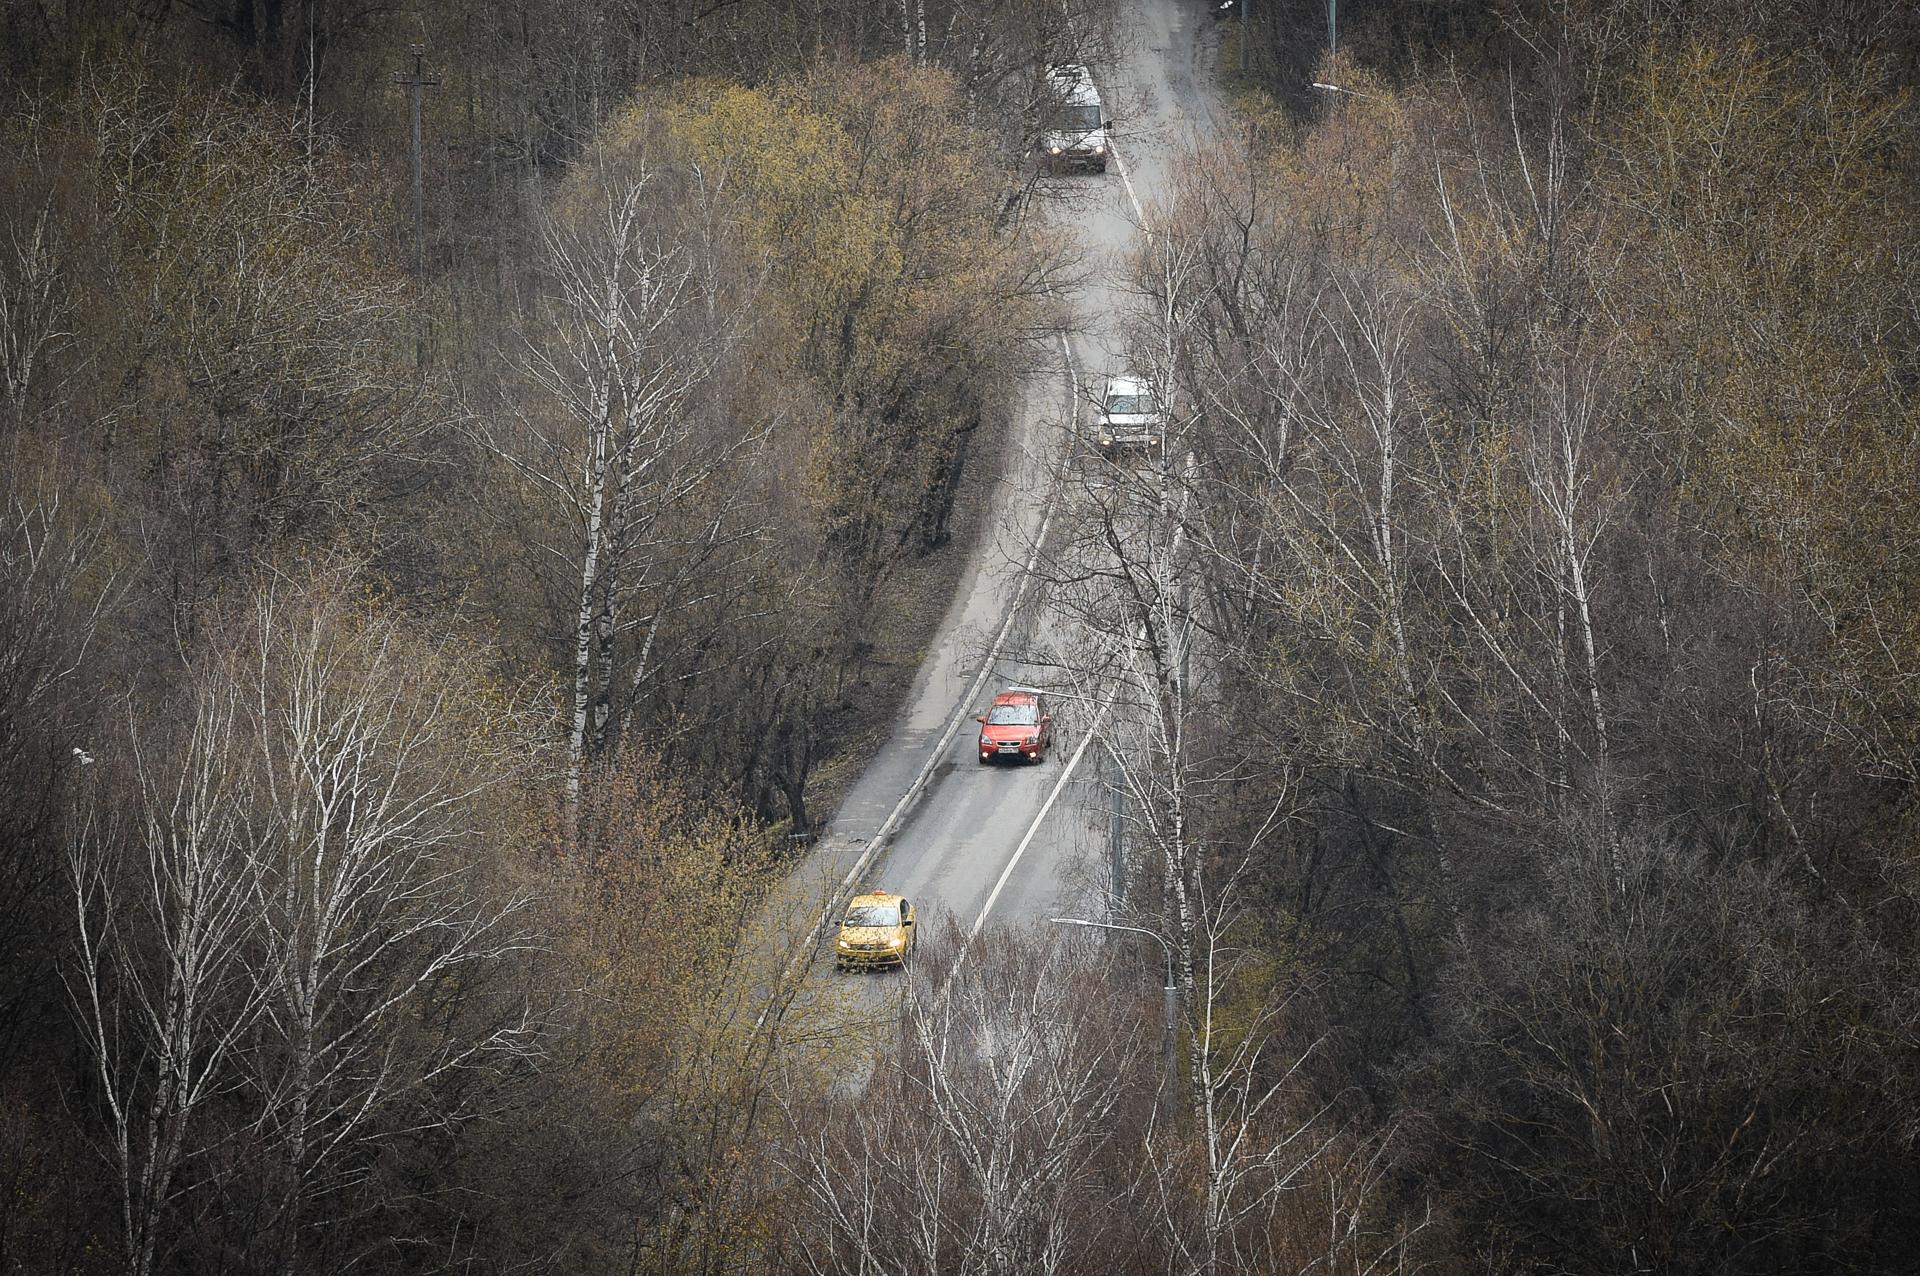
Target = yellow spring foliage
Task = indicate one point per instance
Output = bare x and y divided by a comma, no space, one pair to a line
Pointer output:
1763,296
803,209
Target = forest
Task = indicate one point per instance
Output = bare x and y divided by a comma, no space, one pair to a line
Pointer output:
429,632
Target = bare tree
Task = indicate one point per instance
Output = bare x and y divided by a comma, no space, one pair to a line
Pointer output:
163,983
373,763
971,1147
1529,493
1642,1077
59,585
1269,1175
297,926
641,320
35,309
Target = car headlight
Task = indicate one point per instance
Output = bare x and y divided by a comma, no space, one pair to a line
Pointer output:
1099,150
1054,149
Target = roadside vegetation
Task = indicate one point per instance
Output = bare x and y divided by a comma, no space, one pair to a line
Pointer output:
418,654
420,644
1523,665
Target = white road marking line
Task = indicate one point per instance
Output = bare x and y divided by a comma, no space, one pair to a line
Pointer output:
1073,392
1059,785
992,658
1120,166
810,950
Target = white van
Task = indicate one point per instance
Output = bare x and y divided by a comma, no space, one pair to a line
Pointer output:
1076,129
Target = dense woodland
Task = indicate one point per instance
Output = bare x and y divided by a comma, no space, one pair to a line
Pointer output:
400,625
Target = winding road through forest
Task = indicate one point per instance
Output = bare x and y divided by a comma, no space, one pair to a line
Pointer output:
1006,845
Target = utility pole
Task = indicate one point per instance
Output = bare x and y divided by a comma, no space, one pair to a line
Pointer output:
417,80
1331,47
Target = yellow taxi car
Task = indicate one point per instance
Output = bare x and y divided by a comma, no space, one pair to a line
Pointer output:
877,931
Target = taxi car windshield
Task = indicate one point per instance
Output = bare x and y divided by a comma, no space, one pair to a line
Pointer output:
1013,715
1129,405
873,915
1078,118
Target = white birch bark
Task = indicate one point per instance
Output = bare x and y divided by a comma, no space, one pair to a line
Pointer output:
162,984
372,780
638,324
593,488
270,931
1368,333
1561,473
34,311
1006,1085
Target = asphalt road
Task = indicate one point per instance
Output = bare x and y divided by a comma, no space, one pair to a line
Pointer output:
1001,845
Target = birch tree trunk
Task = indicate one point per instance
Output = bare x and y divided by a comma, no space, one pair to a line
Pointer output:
166,1028
34,312
1562,474
1370,330
268,936
374,767
593,488
639,321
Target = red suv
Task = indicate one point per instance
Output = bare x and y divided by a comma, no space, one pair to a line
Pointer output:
1017,725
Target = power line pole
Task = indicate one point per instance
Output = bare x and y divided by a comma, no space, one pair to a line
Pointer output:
1170,1001
417,81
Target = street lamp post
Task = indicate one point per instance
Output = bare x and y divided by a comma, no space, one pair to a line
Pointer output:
417,81
1171,993
1341,90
